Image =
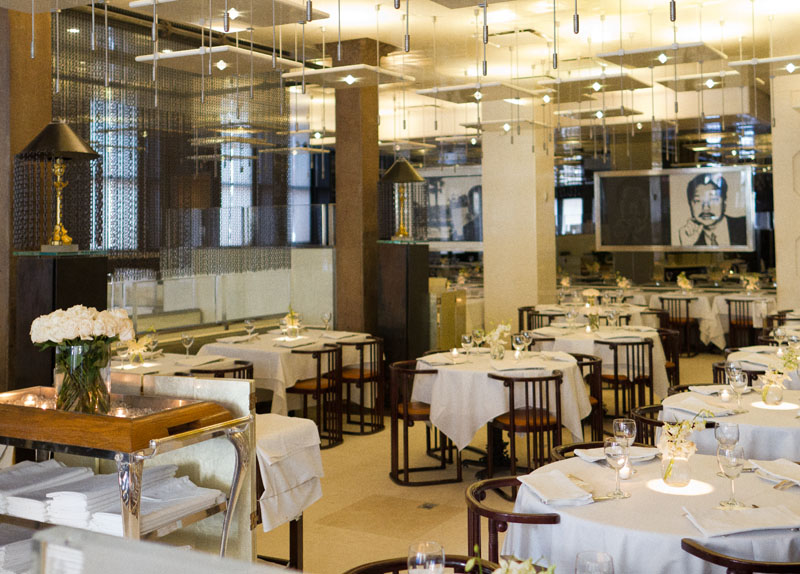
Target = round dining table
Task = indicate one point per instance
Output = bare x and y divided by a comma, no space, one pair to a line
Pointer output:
643,533
766,432
762,357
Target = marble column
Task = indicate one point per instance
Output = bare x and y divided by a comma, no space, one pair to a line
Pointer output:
519,255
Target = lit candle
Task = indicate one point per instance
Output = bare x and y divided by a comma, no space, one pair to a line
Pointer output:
454,353
30,401
626,471
725,395
587,305
588,329
120,412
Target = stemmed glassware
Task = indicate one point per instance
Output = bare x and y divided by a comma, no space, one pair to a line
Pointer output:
466,342
731,461
326,319
612,316
732,368
284,325
528,336
572,314
616,451
478,336
249,326
519,344
738,383
727,434
187,341
594,563
779,334
152,345
625,430
426,558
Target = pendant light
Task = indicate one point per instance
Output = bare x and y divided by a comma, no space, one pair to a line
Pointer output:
339,42
576,26
485,7
672,11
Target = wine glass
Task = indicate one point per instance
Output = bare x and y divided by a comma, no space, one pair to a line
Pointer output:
519,344
727,434
326,319
152,344
779,335
625,429
616,451
187,341
249,326
612,316
594,563
738,383
466,342
284,325
528,336
731,461
572,314
732,368
478,336
560,296
605,299
425,557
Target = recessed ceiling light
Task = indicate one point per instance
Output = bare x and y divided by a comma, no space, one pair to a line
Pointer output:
473,141
662,57
221,65
546,99
477,95
638,125
599,114
317,135
514,101
74,30
710,83
597,86
166,51
734,152
294,152
233,13
790,67
506,127
349,80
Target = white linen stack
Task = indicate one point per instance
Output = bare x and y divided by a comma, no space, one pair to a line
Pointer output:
16,549
161,504
74,505
290,465
29,476
554,488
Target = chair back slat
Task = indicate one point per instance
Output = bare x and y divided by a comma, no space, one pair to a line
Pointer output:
239,370
740,322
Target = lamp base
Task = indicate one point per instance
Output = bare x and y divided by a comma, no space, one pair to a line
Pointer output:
72,248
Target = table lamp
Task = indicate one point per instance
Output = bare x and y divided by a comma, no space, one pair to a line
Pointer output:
400,173
57,143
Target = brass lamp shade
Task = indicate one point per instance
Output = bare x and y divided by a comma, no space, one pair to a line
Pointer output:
401,172
58,140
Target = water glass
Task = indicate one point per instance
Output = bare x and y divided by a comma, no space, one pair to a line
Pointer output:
616,451
326,319
284,325
466,342
426,557
594,563
518,342
572,314
187,341
249,327
727,434
738,383
625,429
731,461
478,336
528,336
779,334
732,368
612,316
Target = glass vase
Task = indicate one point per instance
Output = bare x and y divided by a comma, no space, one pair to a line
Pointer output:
772,394
497,351
675,470
83,377
594,322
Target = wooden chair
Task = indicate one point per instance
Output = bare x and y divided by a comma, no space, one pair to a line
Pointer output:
591,370
647,422
671,342
735,565
661,316
498,519
368,378
540,340
767,340
407,412
740,323
534,408
239,370
621,321
398,565
719,378
632,372
679,319
529,318
326,389
683,389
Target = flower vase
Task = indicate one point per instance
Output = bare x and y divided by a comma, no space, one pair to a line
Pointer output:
594,322
83,377
497,351
772,394
675,470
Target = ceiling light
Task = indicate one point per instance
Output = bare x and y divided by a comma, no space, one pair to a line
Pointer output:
546,99
477,95
599,114
662,57
790,67
734,152
317,135
294,152
506,127
638,125
74,30
714,139
474,141
710,83
166,51
514,101
349,80
597,86
233,13
221,65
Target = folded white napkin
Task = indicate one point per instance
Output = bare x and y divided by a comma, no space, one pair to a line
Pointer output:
197,360
621,338
780,469
148,369
714,389
716,522
745,363
762,349
511,364
635,453
553,487
279,436
292,342
336,335
237,338
695,405
22,478
443,359
641,329
559,356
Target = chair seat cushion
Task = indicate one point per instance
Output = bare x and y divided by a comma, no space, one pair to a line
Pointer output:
416,409
593,401
310,386
354,373
611,379
669,365
538,419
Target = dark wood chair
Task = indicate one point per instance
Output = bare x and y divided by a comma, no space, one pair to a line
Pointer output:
767,340
407,413
661,317
591,369
735,565
529,318
498,520
740,323
368,378
621,321
239,370
683,389
541,340
326,389
679,319
541,425
671,343
632,372
647,422
398,565
719,378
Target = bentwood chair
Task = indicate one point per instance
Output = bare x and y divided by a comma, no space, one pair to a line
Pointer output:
647,423
719,378
631,373
591,369
681,321
239,370
325,388
498,519
660,316
530,318
362,382
735,565
406,413
534,409
671,343
767,340
740,322
398,565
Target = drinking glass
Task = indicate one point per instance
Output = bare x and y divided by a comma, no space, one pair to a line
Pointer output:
284,324
326,319
518,342
425,557
466,342
779,335
249,327
794,341
528,336
153,344
478,336
616,451
571,315
731,461
738,383
732,368
593,563
560,296
612,316
605,299
187,341
727,434
625,429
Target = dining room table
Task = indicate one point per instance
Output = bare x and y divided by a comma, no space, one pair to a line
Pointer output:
583,310
128,376
643,533
463,398
765,431
765,357
701,307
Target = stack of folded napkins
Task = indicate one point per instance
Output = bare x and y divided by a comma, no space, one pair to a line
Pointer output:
29,476
554,488
16,549
160,505
717,522
74,504
778,470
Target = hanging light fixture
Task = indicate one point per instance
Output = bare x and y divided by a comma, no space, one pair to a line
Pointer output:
555,41
576,26
672,11
398,175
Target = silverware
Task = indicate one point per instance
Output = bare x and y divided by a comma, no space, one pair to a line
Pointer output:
784,484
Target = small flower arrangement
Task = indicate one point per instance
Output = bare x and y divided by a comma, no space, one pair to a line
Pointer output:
498,334
292,318
790,359
674,441
509,565
751,282
593,268
565,281
684,283
590,293
623,282
137,347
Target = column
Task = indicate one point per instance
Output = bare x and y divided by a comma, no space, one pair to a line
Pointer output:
519,257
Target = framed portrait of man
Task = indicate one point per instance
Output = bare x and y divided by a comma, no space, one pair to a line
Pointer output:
698,209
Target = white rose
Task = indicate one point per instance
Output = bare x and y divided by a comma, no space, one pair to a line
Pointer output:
118,312
126,332
106,325
85,328
40,330
68,328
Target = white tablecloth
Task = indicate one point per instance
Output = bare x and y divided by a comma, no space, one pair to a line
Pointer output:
128,378
624,309
577,340
711,330
766,355
276,367
643,533
463,398
765,433
760,308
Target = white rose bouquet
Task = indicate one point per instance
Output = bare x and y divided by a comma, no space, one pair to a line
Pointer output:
81,336
499,333
751,282
565,281
623,282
